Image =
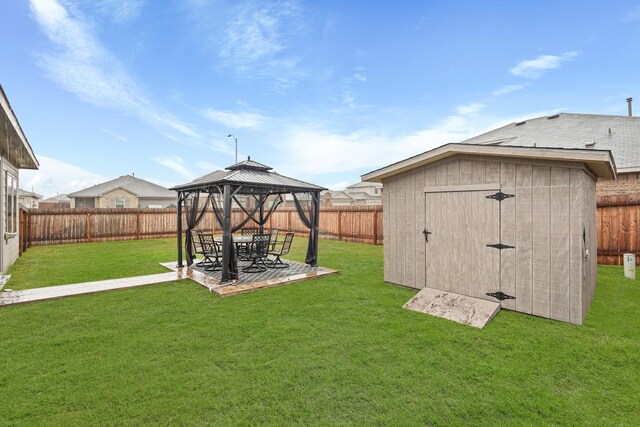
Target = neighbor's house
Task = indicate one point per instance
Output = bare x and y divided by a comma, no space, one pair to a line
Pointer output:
124,192
619,134
60,201
15,154
28,199
360,194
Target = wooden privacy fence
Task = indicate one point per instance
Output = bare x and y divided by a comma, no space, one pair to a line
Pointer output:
618,232
53,226
618,226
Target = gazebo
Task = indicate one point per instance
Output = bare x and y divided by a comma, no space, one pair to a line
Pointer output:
257,190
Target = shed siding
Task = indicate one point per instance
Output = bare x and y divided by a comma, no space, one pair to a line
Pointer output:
524,238
541,240
508,234
560,218
576,260
547,271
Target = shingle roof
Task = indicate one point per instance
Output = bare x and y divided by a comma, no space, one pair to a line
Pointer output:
25,193
619,134
250,174
58,198
137,186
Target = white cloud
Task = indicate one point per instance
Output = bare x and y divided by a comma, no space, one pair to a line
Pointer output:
633,15
360,77
120,11
207,166
311,152
470,109
82,66
115,135
176,164
254,38
338,186
509,88
57,177
235,120
535,68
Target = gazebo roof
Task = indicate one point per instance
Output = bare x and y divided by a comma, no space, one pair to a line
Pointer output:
254,178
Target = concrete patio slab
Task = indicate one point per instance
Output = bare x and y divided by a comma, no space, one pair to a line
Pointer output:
463,309
52,292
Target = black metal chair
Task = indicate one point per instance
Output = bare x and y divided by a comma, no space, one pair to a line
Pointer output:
258,252
282,250
249,231
211,253
274,239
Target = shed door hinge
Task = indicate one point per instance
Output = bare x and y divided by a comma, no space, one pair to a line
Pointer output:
500,196
501,246
500,296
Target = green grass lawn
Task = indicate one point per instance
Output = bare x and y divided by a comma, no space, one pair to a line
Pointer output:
334,351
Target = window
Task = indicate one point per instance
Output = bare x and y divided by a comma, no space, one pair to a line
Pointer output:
119,202
11,203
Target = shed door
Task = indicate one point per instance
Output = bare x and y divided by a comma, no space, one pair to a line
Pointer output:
461,225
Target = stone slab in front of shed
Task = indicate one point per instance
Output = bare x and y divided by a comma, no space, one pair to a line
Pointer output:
463,309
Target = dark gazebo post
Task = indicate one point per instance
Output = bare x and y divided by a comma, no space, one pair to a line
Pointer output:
180,199
262,202
226,233
316,223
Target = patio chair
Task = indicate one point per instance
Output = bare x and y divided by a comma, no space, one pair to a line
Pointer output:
249,231
283,249
258,252
274,239
210,252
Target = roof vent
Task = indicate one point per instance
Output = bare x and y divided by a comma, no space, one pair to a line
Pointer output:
521,123
590,144
555,116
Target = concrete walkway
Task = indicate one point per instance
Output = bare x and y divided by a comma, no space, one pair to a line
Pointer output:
52,292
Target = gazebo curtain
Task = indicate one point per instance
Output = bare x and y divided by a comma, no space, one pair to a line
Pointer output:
193,216
308,213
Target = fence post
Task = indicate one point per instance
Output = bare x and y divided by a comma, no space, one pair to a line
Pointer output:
289,221
339,224
88,227
138,225
375,226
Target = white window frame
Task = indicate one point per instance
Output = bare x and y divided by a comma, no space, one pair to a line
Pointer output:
117,199
11,204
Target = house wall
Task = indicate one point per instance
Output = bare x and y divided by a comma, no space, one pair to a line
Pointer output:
108,200
10,243
554,202
87,202
626,188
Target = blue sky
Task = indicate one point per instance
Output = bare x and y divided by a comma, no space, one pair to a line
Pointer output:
321,91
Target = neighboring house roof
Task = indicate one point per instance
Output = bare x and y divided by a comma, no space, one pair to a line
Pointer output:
363,196
25,193
141,188
21,155
600,162
250,175
57,199
619,134
339,195
364,185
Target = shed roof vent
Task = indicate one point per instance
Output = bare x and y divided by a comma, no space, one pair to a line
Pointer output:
590,144
521,123
555,116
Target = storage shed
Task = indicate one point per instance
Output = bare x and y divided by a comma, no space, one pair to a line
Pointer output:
510,224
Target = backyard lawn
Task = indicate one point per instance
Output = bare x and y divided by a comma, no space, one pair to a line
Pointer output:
336,350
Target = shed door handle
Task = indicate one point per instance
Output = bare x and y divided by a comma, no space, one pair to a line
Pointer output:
426,235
